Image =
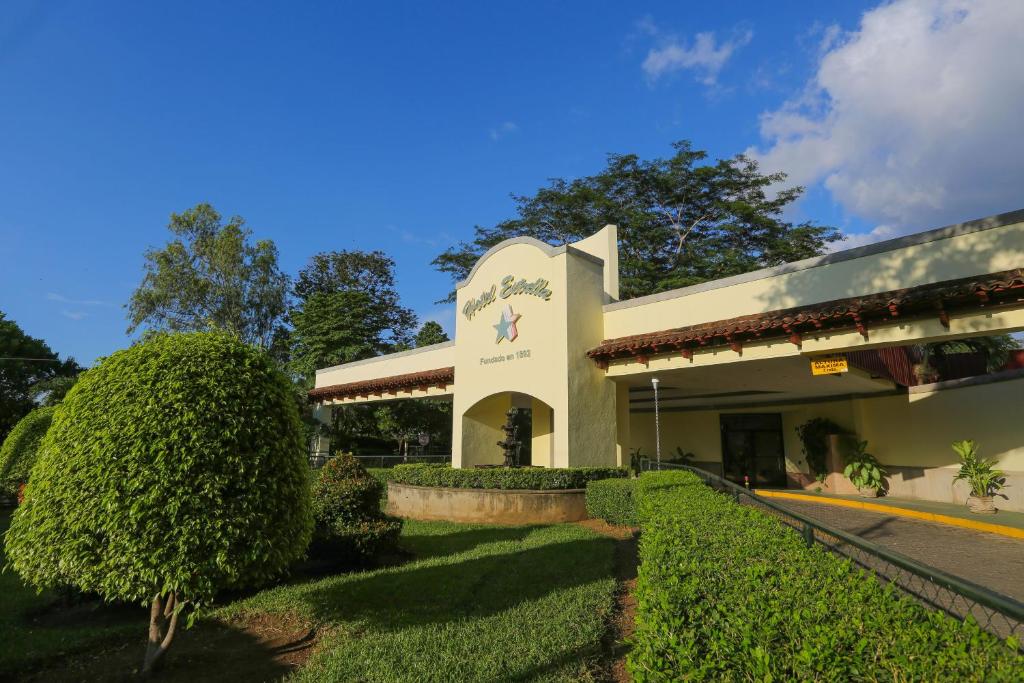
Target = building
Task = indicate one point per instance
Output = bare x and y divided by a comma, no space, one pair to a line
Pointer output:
542,329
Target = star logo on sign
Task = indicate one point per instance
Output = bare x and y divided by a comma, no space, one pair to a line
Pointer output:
506,326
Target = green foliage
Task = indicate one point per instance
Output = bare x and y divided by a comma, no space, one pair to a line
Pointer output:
612,500
346,309
980,473
814,437
995,349
863,469
174,466
681,221
21,449
431,333
535,478
19,376
210,277
350,526
725,592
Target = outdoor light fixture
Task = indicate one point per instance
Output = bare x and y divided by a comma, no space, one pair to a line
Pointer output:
657,424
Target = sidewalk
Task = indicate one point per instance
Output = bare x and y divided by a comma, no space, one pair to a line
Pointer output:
1004,523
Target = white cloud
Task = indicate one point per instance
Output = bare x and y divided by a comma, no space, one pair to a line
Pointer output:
60,298
704,55
912,120
506,128
74,315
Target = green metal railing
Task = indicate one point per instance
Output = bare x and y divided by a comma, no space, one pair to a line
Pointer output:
998,614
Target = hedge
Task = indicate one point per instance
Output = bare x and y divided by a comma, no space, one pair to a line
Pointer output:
612,500
725,592
351,529
21,449
535,478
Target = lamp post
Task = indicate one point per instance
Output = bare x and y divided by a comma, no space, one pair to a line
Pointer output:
657,424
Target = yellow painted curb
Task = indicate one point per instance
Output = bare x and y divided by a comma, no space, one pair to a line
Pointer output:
1010,531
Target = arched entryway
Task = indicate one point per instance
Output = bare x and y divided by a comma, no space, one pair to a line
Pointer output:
482,430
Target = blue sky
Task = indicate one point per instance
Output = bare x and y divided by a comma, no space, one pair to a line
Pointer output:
399,126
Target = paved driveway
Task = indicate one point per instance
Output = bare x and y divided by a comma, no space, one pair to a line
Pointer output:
993,561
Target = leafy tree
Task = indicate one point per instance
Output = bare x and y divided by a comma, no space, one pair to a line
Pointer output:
211,277
995,349
431,333
173,470
681,221
346,309
25,362
21,448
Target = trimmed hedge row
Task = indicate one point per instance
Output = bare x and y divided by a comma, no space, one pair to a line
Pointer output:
726,592
612,500
535,478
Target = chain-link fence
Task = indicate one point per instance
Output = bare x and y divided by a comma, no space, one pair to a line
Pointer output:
998,614
316,461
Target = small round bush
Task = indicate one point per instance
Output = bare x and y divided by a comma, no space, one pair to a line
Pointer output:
174,469
21,448
350,527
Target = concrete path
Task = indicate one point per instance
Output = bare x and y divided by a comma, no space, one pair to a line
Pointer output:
993,561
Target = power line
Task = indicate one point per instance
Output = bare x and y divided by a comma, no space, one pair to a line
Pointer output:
41,360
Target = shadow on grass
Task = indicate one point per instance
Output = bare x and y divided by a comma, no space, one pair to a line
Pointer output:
472,587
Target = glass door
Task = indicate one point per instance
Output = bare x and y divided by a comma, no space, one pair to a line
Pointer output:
752,447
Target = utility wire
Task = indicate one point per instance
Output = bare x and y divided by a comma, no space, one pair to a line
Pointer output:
41,360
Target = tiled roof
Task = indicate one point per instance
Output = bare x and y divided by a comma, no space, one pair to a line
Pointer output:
441,377
938,299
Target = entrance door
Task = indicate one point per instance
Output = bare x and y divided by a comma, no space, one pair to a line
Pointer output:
752,447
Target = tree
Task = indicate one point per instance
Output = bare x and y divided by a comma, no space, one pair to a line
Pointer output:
174,469
346,309
211,277
21,449
25,362
431,333
680,221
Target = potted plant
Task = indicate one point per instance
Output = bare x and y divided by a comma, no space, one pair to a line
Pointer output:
982,476
864,471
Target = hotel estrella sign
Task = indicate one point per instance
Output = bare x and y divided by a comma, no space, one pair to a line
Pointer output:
506,326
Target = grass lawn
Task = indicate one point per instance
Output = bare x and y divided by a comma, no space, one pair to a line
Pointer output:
478,603
475,603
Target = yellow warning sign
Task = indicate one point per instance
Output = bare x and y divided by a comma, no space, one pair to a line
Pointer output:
829,365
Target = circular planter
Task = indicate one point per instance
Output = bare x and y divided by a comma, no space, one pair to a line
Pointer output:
982,505
486,506
868,492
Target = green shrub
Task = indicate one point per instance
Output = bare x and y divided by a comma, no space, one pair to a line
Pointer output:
612,500
350,527
21,448
534,478
174,469
725,592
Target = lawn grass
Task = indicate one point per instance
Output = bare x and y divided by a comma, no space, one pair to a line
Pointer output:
29,636
474,603
477,603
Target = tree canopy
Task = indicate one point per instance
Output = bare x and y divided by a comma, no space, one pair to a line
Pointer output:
25,363
431,333
681,220
173,470
210,276
346,308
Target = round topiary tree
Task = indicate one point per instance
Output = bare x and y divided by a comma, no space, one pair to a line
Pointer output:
21,448
174,469
350,526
